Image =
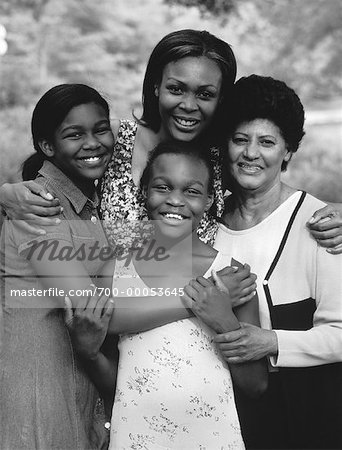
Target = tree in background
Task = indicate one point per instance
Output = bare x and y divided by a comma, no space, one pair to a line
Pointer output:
293,39
213,7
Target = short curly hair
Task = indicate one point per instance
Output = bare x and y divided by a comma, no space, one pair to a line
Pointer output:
194,151
258,97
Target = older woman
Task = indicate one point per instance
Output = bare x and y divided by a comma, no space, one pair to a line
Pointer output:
300,284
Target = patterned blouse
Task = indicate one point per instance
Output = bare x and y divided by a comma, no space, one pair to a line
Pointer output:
123,206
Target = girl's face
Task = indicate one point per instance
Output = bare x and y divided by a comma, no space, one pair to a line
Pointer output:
177,194
188,94
83,144
256,151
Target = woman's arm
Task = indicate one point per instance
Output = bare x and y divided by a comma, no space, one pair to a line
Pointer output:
321,344
30,203
326,227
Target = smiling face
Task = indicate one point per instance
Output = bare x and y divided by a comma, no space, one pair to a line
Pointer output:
177,194
188,95
256,151
82,145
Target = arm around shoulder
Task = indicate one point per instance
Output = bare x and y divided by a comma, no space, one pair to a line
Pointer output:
325,226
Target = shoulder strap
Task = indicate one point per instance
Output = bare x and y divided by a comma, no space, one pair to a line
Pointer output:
279,252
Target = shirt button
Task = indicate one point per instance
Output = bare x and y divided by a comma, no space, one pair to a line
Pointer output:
265,282
93,219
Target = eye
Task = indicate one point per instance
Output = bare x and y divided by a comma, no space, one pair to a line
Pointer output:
176,90
267,143
74,135
102,130
206,95
193,191
161,187
239,140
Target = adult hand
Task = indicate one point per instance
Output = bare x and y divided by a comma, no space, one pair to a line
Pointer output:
240,283
30,204
249,343
210,304
326,227
88,324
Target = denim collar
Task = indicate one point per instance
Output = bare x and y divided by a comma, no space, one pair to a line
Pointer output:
67,187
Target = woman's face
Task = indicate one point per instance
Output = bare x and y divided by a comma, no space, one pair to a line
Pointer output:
256,151
177,194
83,143
188,94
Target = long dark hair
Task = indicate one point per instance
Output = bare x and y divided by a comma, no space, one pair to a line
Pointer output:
49,113
181,44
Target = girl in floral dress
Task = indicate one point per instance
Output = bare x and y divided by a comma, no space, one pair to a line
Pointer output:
173,389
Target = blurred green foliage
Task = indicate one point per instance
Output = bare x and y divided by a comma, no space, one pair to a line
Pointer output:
106,44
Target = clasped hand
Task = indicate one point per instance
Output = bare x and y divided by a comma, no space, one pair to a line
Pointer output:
88,324
226,289
212,305
238,281
249,343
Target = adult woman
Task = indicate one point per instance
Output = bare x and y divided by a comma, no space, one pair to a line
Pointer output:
186,89
300,285
47,400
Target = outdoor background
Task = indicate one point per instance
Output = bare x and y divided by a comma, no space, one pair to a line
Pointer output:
107,43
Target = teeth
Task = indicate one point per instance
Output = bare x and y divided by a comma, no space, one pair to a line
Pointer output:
186,123
173,216
92,159
250,168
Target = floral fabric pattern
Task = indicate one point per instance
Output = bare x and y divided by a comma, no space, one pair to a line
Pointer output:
122,201
174,390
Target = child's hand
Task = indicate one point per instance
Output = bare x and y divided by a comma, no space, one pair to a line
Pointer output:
88,325
239,281
210,304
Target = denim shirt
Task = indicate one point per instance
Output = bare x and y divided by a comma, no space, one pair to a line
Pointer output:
47,401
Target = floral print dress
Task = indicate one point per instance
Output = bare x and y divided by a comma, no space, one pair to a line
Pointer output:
123,205
174,390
